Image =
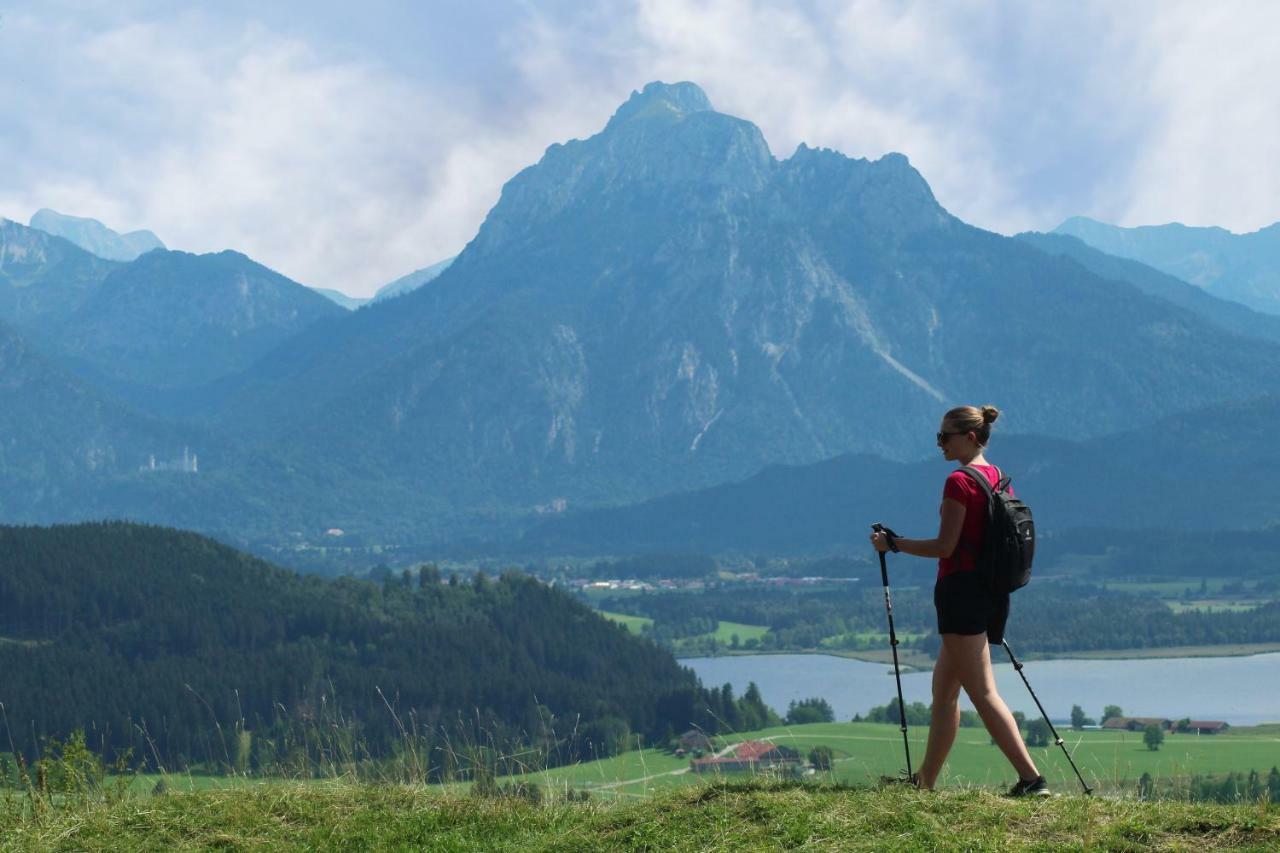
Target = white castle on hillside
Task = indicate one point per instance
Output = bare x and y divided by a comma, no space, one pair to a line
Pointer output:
188,464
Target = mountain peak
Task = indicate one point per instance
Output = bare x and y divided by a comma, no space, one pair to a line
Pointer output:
663,99
92,236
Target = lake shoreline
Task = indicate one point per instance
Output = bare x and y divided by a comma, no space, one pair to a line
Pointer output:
1201,688
908,660
915,661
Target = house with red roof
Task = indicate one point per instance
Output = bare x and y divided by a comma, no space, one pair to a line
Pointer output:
750,756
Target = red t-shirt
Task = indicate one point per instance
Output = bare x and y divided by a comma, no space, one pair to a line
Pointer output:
959,487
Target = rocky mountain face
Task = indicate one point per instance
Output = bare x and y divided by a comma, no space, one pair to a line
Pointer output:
1241,267
44,278
94,237
665,306
64,446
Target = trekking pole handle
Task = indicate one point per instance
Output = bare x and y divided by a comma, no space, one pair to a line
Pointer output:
889,534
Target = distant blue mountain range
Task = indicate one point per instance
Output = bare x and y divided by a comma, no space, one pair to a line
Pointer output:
412,281
92,236
1242,267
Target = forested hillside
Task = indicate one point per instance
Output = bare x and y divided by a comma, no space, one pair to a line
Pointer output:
188,651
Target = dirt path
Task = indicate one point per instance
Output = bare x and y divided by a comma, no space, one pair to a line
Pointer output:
609,786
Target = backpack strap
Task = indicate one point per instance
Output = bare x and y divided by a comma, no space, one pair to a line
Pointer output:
981,479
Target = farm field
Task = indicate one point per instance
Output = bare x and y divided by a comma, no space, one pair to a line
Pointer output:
865,751
634,624
726,631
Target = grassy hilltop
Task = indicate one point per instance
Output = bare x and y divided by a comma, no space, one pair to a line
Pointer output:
646,800
710,817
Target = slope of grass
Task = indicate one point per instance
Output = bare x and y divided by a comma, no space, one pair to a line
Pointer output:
726,631
634,624
710,817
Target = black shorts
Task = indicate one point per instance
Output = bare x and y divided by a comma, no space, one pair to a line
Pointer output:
966,606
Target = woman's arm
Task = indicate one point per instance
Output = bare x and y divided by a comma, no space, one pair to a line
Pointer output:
948,535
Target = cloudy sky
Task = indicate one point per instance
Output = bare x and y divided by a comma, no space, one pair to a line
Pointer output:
346,144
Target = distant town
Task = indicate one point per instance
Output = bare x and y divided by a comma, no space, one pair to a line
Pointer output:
637,585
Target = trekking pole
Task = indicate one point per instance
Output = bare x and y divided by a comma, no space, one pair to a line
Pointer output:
893,643
1017,665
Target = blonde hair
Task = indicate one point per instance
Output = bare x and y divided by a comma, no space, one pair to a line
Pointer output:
974,419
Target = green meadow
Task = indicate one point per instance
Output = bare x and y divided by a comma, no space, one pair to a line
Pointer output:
634,624
727,630
648,800
724,633
863,752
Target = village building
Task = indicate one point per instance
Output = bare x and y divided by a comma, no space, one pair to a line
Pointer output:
1203,727
1137,724
695,740
750,756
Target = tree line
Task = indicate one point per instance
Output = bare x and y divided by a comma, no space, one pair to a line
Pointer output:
186,651
1046,617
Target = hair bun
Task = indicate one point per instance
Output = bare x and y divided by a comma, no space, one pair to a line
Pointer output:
989,414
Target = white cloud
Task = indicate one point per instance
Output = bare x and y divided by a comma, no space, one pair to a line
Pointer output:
337,174
987,101
864,78
1210,158
344,165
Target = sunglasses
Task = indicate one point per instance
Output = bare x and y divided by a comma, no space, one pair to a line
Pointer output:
943,436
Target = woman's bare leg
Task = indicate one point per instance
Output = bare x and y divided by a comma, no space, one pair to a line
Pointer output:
971,660
944,718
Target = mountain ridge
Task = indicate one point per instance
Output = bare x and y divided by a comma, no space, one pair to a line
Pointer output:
1241,267
94,237
412,281
43,276
815,508
665,306
1227,314
165,319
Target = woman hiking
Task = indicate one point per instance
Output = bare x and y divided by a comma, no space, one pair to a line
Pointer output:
970,615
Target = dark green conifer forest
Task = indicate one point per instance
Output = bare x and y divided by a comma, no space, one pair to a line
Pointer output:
173,646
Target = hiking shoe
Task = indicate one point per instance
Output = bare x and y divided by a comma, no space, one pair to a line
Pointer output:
1036,787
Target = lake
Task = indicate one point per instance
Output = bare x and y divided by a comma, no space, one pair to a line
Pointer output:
1239,690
